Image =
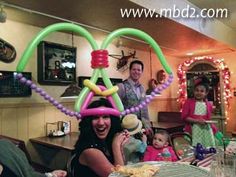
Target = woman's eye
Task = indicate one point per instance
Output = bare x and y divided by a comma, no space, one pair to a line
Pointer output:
106,117
95,118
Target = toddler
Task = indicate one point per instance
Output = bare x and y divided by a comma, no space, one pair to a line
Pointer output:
137,144
160,149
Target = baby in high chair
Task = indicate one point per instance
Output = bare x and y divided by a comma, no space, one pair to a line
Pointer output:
160,149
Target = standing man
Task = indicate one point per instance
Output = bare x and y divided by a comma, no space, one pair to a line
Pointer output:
132,93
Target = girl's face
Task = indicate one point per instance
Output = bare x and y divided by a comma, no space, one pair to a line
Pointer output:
200,93
159,141
101,126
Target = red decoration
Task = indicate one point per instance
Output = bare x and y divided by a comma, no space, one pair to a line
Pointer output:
219,63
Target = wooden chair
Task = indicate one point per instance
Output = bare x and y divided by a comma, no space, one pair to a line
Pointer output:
169,121
182,144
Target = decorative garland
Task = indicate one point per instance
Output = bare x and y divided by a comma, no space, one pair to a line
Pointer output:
220,64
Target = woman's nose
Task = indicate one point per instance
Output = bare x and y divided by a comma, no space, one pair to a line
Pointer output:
100,120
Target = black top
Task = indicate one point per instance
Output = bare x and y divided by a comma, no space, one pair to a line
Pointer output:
84,171
7,172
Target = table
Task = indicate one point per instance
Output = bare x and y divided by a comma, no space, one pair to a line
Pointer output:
170,127
170,169
54,152
66,142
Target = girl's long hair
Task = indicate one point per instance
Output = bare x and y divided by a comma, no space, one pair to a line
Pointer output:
88,136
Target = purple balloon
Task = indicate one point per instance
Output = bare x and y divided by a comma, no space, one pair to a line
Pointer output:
153,93
143,103
42,93
151,97
71,113
200,156
140,106
76,114
33,86
38,90
157,90
63,109
19,75
59,106
132,109
23,80
68,111
28,82
123,113
169,82
46,97
55,103
127,111
136,108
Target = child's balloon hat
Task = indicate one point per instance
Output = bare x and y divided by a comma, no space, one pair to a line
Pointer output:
99,63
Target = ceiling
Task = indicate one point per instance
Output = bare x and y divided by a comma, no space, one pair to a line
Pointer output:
102,17
230,5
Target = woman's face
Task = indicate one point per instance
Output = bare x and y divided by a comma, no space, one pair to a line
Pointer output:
101,126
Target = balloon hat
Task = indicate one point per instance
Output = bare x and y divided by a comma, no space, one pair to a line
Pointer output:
99,62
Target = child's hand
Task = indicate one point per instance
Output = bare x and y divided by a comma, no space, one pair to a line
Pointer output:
59,173
144,138
201,121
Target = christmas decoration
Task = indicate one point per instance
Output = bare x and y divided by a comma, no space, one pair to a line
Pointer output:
225,74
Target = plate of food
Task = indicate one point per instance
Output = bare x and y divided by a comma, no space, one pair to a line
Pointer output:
158,169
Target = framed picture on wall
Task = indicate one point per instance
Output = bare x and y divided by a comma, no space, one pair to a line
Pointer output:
56,64
10,86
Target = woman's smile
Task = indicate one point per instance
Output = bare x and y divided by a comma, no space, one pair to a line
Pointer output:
101,126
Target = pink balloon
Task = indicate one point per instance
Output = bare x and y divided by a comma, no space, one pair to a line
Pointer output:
99,111
110,99
87,100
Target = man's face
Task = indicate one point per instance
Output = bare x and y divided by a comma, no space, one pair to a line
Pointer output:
135,72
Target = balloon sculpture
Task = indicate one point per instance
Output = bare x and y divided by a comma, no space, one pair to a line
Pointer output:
200,151
99,62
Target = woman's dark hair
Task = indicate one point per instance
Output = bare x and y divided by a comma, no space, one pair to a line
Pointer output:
87,134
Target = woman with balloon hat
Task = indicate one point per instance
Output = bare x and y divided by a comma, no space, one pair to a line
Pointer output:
100,144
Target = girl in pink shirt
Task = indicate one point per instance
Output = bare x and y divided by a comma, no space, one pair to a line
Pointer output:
196,112
160,151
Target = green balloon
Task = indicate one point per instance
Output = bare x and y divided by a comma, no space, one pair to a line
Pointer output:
77,29
142,35
84,92
115,96
46,31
